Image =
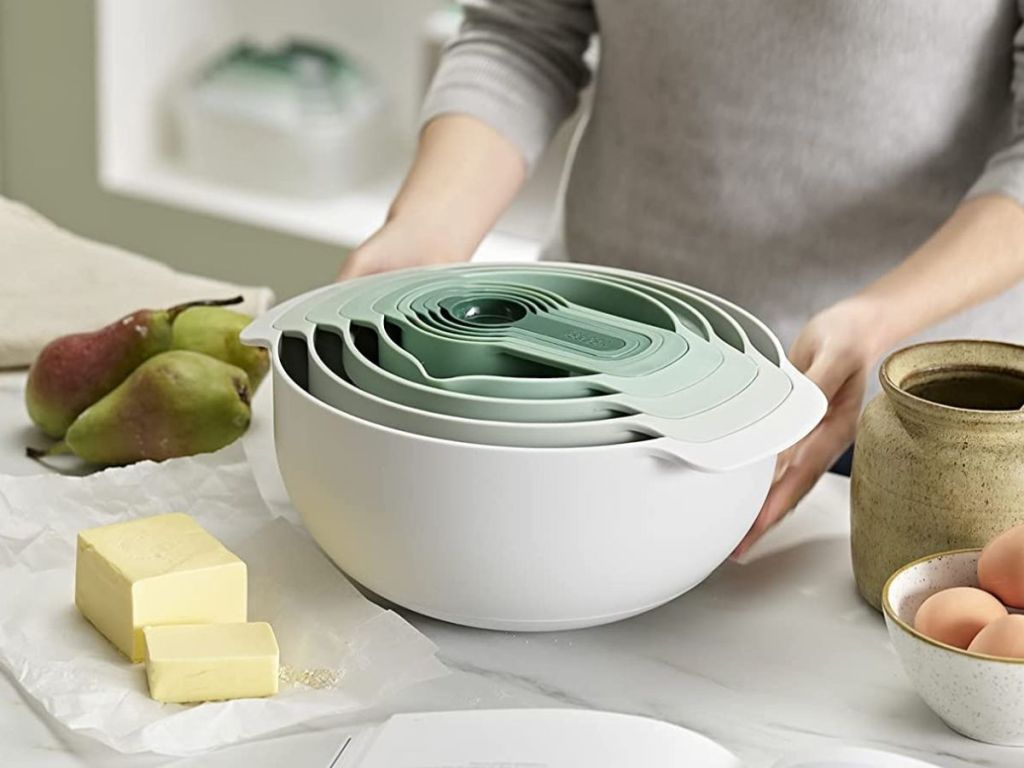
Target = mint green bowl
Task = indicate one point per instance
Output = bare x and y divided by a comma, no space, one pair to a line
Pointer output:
567,351
352,366
329,382
562,351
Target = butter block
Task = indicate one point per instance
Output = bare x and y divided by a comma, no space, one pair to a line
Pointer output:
164,569
211,662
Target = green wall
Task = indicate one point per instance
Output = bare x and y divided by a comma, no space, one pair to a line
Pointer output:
48,160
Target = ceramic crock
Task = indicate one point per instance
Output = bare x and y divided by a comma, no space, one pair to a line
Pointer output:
939,458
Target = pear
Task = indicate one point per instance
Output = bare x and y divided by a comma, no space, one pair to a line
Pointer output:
214,331
73,372
177,403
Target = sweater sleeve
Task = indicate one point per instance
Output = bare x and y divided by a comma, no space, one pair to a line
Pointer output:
518,66
1004,172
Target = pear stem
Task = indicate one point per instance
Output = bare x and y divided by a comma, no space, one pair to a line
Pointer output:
177,309
57,449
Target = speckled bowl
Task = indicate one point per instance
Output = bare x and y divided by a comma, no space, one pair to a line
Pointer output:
980,696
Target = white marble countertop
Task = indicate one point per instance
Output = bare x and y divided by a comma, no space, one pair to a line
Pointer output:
771,657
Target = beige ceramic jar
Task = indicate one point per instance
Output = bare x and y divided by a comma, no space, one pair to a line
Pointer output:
939,459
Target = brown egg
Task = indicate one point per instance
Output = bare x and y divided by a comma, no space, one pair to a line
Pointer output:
1001,567
954,616
1003,637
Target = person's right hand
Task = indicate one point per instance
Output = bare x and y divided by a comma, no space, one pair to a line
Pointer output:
397,245
464,175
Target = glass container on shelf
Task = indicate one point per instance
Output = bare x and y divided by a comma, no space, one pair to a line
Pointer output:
298,120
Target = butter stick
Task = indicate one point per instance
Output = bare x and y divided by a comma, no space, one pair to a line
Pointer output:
156,570
211,662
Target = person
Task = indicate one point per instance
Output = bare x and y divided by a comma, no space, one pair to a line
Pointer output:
852,171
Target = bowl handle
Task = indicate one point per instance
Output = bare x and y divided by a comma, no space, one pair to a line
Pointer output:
261,331
792,420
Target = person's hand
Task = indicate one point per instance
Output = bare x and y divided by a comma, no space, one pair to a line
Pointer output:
837,351
397,245
464,176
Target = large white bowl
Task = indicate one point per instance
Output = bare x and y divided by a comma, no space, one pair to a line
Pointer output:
507,538
519,538
979,696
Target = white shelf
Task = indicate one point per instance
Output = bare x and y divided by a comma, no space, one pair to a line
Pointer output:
147,51
345,221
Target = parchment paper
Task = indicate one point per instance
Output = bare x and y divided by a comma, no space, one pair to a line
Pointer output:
322,623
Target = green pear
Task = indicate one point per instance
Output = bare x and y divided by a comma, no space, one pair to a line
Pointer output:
177,403
73,372
214,331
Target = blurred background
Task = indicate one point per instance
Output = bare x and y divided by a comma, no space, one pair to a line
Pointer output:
254,141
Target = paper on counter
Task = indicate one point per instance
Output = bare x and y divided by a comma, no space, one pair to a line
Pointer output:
321,621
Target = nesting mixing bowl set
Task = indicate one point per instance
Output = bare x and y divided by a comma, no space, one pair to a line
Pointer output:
528,447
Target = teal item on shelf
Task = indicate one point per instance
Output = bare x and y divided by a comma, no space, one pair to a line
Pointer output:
303,77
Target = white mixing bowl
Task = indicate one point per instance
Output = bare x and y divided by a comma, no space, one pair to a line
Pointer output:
507,538
516,538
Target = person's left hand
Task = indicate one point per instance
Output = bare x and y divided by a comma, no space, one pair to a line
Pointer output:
836,350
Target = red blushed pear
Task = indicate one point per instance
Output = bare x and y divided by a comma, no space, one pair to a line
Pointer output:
177,403
73,372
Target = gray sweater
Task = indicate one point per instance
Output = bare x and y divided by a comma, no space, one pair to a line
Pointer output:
781,153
